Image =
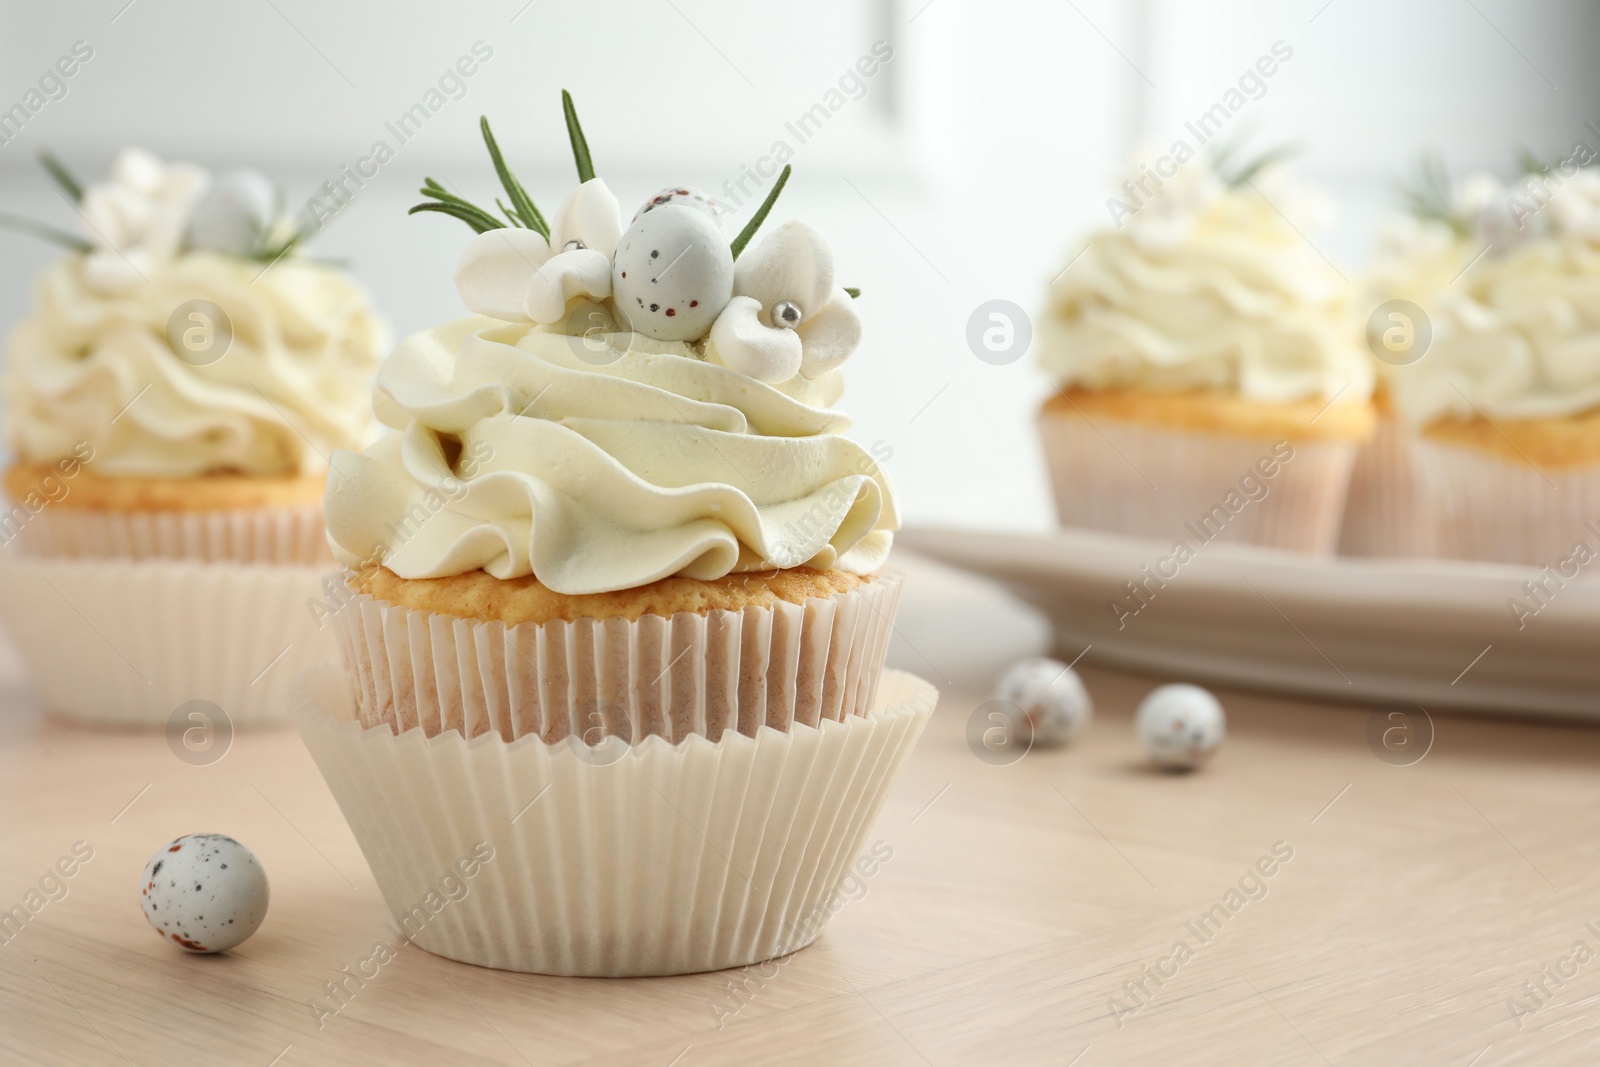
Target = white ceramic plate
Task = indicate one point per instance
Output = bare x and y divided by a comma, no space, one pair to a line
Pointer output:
1434,633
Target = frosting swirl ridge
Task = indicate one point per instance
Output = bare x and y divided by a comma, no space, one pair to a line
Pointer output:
601,461
290,386
1233,298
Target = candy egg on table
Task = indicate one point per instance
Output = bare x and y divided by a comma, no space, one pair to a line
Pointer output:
672,274
204,892
1051,697
1180,726
685,196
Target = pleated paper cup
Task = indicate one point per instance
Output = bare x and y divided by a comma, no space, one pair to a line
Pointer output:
124,643
668,859
1388,510
1505,511
1145,481
671,677
260,535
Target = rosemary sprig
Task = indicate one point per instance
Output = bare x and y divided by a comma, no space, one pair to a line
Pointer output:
1260,163
1529,161
272,251
855,294
580,143
62,177
461,208
520,200
474,219
1427,194
47,233
750,229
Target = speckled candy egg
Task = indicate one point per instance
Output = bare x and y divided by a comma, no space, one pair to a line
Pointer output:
672,274
234,215
686,196
1051,696
204,892
1180,726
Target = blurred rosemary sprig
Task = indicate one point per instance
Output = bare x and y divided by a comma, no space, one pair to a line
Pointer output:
1427,194
1234,168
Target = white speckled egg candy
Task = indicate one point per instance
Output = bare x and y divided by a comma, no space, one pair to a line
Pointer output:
1180,726
233,217
672,274
204,892
1051,695
687,196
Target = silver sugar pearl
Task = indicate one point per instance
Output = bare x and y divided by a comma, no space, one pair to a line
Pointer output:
572,245
786,315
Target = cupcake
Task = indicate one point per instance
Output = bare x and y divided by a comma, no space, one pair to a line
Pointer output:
1505,404
1211,383
615,546
170,402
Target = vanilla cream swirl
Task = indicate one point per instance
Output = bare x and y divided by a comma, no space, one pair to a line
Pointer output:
289,388
600,462
1235,299
1516,337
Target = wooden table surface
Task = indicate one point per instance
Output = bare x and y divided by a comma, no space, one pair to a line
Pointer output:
1431,913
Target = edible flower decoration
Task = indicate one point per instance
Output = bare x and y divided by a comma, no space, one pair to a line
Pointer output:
669,274
1559,199
149,213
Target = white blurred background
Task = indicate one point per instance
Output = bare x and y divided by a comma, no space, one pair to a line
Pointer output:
963,172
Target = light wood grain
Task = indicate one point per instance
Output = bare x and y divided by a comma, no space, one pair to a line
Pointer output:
1018,901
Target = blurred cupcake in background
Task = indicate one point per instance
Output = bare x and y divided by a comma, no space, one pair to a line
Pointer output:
1212,383
170,403
1506,400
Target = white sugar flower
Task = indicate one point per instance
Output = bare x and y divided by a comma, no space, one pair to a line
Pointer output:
787,316
517,275
1169,217
1576,205
137,220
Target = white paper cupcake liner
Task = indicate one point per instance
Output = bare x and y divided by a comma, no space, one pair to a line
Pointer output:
1388,510
1504,510
672,677
1151,482
126,643
260,535
666,859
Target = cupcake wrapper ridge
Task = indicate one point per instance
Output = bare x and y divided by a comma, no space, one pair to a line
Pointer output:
262,535
1150,482
1503,511
126,643
674,677
659,859
1388,511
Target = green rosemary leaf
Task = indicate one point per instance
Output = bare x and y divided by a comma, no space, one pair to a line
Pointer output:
479,222
47,233
519,197
62,177
761,213
1258,164
273,252
580,143
438,192
508,213
855,294
1427,194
